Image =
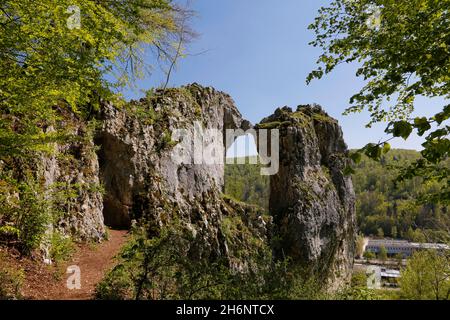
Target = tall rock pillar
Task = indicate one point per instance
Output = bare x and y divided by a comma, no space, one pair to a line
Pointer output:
311,200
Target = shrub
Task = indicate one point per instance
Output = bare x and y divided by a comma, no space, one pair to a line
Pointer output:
24,212
359,279
356,293
117,285
167,266
10,283
369,255
28,209
62,247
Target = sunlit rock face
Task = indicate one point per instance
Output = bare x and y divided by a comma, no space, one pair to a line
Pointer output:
311,200
156,150
151,172
138,156
71,174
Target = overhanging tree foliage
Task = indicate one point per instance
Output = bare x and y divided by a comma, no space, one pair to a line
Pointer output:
54,55
403,51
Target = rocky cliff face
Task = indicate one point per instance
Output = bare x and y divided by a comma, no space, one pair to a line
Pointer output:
312,202
136,151
75,171
144,179
64,189
134,154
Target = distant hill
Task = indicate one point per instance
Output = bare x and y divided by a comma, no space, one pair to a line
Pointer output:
244,183
383,209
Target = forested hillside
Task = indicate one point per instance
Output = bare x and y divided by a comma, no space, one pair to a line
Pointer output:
384,208
244,183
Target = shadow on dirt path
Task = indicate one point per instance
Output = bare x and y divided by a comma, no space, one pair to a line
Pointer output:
93,260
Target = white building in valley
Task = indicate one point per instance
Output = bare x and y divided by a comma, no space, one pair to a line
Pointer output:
403,247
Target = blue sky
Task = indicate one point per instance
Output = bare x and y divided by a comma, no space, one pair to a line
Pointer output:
258,52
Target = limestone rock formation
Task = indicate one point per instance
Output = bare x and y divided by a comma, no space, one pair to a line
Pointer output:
67,181
134,149
77,172
134,155
311,200
142,177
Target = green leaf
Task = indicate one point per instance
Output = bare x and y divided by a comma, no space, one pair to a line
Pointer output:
399,61
422,125
348,171
400,129
444,115
439,133
356,157
386,148
373,151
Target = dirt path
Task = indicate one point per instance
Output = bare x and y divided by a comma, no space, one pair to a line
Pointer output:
93,261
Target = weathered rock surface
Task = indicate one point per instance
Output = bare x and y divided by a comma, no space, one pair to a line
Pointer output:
136,149
142,178
131,155
68,179
311,200
77,172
